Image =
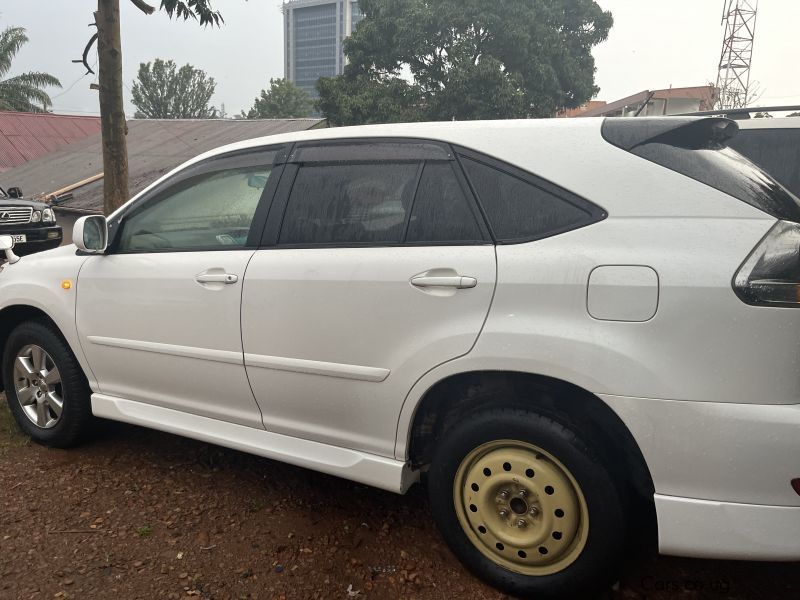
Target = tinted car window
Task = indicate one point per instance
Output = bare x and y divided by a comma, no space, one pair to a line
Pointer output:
441,210
728,171
703,149
777,151
349,204
518,210
208,211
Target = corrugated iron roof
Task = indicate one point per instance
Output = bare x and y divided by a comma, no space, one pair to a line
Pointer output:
154,147
26,136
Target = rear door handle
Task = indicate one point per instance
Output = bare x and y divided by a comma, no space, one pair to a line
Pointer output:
454,281
226,278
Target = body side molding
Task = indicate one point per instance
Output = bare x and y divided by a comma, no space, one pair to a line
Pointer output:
315,367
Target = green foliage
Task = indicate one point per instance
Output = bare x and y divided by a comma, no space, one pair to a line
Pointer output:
23,92
195,9
468,59
283,100
144,531
164,92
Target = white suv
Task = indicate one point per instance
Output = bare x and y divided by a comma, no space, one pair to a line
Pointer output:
568,329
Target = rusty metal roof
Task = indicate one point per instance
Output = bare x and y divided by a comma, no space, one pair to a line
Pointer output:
155,147
26,136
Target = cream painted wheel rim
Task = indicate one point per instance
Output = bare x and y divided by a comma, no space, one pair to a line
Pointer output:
520,507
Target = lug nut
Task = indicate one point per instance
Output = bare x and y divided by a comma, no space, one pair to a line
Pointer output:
503,512
504,494
523,492
533,511
522,523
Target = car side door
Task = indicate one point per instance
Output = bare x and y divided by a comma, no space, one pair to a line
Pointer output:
159,314
376,266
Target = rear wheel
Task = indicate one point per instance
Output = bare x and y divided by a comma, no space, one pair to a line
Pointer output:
526,505
46,389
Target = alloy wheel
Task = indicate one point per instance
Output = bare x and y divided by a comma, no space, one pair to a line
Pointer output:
37,382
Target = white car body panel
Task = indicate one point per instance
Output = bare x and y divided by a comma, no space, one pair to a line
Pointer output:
345,386
178,344
707,385
714,450
708,529
39,285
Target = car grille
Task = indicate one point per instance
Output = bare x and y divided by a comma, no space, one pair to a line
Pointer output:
15,215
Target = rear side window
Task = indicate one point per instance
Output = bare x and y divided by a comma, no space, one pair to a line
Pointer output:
349,204
777,151
522,208
441,211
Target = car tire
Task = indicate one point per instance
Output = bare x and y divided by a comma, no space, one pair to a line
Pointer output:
527,505
47,390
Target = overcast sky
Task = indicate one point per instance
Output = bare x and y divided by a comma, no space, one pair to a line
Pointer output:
652,45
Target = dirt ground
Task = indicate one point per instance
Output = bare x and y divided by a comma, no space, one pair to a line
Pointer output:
142,514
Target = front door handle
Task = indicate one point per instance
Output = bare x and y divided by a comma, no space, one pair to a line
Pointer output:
208,277
453,281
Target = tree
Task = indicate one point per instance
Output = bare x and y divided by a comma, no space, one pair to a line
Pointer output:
112,111
25,92
468,59
162,92
283,100
794,114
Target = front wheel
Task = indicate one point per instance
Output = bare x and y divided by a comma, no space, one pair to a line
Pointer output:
527,506
46,389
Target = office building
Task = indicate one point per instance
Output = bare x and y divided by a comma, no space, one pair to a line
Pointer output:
314,31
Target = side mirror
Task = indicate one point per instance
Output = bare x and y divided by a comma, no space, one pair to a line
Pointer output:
90,234
15,192
7,246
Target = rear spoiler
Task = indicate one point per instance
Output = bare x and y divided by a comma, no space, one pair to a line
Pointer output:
684,132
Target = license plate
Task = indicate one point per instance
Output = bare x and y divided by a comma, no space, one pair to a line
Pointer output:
19,238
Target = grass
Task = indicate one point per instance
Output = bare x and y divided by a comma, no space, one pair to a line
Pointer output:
144,531
10,435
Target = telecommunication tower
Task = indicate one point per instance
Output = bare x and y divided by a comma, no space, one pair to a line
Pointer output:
733,78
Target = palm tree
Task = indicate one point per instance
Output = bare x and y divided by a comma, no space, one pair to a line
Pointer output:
23,92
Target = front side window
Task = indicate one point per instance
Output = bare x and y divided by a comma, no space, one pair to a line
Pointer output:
349,204
212,210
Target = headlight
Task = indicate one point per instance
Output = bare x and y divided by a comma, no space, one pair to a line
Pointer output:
48,216
36,216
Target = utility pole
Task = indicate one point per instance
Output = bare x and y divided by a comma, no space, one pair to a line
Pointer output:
112,112
733,77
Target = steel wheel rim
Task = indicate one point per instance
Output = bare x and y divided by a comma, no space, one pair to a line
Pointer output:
521,507
38,386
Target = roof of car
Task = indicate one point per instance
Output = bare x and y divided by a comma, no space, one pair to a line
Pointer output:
446,131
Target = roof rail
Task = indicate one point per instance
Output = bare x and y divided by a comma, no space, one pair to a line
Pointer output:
740,111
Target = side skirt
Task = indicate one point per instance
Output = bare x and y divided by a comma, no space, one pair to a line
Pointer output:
370,469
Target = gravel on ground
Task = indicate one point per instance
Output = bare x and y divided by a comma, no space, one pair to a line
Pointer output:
143,514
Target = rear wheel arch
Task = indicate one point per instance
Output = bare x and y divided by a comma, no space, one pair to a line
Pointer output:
452,399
